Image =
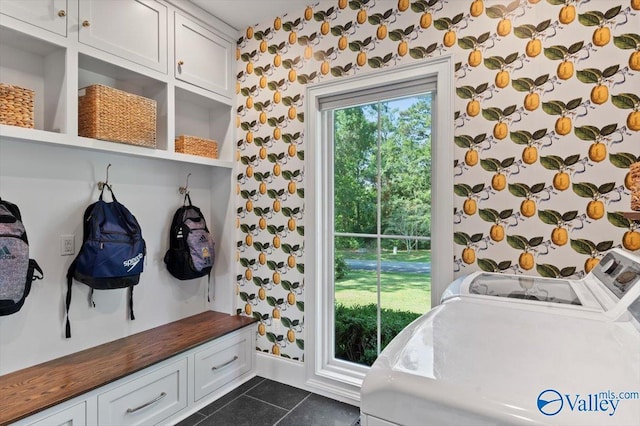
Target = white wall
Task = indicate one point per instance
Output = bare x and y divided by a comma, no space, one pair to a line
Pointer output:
53,185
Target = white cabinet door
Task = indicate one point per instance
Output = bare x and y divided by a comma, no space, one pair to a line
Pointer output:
72,416
222,361
202,58
135,30
48,14
146,400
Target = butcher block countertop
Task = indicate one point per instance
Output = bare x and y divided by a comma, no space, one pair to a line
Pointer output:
33,389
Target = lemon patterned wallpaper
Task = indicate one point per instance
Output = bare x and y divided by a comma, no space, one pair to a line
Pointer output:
547,124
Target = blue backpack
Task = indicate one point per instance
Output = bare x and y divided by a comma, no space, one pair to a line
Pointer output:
112,252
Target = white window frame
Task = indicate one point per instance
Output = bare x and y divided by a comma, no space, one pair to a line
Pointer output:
323,370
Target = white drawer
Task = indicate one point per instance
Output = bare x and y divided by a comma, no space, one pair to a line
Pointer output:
146,400
72,416
222,362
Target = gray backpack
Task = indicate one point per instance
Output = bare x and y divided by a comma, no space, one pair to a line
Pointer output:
17,271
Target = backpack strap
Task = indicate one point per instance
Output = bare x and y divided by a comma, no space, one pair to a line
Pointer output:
187,197
131,303
70,272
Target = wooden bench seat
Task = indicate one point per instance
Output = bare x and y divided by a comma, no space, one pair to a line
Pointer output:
33,389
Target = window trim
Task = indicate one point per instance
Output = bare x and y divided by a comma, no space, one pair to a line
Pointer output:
322,369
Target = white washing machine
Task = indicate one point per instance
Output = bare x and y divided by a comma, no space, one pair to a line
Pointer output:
509,349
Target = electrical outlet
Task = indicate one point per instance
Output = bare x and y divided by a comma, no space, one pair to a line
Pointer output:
67,245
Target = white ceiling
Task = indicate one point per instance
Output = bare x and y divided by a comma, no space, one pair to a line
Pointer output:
241,14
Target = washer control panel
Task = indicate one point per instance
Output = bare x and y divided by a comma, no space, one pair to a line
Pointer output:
618,273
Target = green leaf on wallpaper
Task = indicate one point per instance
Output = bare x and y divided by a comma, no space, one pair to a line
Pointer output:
536,241
555,52
551,162
554,107
507,162
543,26
537,188
300,344
476,237
569,216
589,75
479,138
575,47
627,41
243,296
591,19
606,188
488,215
583,246
568,271
571,160
463,141
505,264
418,52
457,19
488,265
613,12
461,238
494,62
557,2
300,306
505,214
496,12
465,92
574,103
608,129
300,268
468,42
587,133
492,113
622,160
550,217
490,164
483,37
524,31
477,188
585,189
625,100
442,24
548,271
541,80
604,246
539,134
518,242
376,19
396,35
462,189
610,71
519,189
513,5
481,88
271,337
419,6
522,84
618,220
520,137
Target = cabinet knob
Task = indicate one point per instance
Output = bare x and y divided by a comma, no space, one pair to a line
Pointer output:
62,13
86,23
181,62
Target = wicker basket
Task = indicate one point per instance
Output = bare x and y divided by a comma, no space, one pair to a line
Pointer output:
16,106
634,171
197,146
113,115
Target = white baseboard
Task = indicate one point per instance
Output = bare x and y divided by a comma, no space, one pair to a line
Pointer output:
293,373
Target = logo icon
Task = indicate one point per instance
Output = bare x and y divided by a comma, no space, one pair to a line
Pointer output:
6,254
550,402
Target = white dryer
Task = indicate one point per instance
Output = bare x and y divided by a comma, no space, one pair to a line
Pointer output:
511,349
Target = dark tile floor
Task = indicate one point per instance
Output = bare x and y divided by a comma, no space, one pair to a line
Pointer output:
263,402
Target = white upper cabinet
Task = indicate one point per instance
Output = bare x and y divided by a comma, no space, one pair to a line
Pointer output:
48,14
135,30
202,58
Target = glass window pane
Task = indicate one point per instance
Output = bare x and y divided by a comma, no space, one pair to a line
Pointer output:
355,169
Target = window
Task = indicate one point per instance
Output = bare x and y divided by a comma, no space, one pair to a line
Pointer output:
327,104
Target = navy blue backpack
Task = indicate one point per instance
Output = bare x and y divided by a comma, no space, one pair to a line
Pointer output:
112,252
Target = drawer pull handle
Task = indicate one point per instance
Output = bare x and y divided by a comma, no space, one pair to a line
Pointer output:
86,23
225,364
146,404
62,13
180,63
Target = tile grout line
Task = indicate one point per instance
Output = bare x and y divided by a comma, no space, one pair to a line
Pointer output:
244,393
269,403
296,406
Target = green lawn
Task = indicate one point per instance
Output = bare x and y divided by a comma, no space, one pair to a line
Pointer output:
401,256
400,291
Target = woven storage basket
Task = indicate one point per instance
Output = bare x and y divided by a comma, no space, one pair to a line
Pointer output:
197,146
16,106
634,171
113,115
